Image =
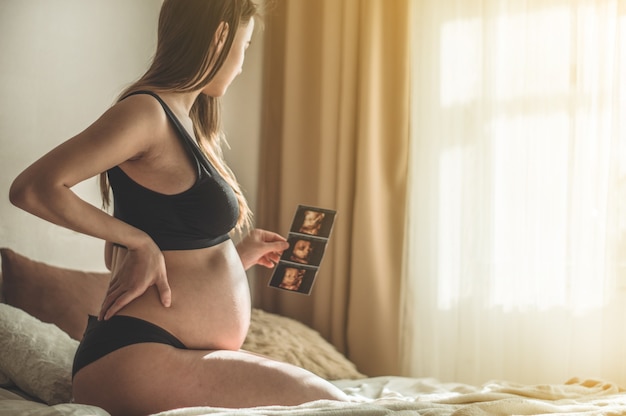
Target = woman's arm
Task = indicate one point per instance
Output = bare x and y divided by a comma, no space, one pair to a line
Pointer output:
44,188
124,132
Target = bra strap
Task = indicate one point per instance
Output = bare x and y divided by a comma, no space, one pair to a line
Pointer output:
190,143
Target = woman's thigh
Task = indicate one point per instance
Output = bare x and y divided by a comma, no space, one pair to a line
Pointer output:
148,378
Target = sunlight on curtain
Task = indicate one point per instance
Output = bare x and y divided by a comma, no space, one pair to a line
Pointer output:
516,256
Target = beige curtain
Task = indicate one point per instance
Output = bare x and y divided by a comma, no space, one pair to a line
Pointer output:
516,262
335,135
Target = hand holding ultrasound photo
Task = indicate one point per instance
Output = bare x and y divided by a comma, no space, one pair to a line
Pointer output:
308,236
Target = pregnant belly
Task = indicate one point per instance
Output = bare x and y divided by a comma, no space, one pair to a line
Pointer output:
210,299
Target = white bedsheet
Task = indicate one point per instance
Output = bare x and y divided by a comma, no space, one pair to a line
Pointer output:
402,396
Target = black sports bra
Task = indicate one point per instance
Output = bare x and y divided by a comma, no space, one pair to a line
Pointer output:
202,216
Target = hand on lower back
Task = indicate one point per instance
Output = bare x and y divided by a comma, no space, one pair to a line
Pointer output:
138,270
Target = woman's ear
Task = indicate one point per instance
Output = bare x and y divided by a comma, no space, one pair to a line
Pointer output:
220,36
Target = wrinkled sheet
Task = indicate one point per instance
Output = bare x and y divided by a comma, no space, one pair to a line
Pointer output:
402,396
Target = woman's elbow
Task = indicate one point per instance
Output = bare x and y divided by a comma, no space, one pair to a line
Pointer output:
23,193
18,193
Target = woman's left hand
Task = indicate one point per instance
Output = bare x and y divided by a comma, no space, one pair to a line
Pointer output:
261,247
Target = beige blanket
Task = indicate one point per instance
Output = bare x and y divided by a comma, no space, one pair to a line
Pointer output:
404,396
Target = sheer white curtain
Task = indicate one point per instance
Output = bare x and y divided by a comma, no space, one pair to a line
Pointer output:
516,256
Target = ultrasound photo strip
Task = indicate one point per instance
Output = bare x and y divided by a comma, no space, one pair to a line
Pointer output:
309,233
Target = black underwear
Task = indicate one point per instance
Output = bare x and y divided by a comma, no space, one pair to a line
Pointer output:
104,337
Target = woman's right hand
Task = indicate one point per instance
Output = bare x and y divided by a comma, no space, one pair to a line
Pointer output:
139,269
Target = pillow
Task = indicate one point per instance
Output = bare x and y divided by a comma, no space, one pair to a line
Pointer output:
5,381
36,356
1,291
287,340
52,294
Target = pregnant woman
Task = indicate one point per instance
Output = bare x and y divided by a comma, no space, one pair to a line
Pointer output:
178,305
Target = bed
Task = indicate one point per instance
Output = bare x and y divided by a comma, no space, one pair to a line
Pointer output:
42,310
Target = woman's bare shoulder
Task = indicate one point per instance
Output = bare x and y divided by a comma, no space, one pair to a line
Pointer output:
141,110
133,125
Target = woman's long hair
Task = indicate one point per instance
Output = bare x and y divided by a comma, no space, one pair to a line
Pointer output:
186,60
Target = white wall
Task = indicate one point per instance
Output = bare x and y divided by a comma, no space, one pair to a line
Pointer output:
62,63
